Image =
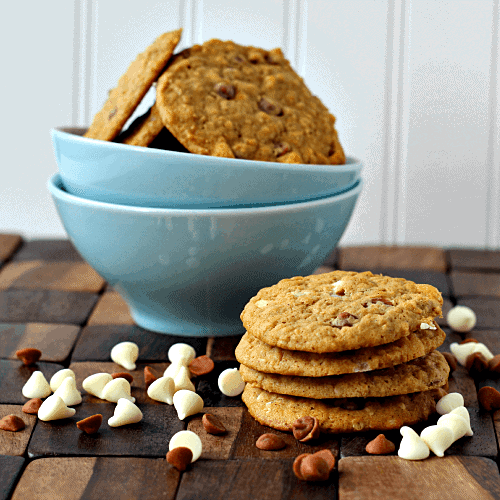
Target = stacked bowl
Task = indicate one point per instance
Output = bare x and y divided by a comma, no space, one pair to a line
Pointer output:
188,239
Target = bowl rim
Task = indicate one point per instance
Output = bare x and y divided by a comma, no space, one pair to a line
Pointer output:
54,185
352,163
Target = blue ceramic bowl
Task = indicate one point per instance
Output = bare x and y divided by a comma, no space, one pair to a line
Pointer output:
191,272
147,177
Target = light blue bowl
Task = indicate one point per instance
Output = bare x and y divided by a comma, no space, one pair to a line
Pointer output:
147,177
191,272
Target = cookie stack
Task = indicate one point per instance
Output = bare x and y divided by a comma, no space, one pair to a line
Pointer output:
354,350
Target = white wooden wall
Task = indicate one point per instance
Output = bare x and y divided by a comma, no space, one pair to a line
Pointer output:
414,85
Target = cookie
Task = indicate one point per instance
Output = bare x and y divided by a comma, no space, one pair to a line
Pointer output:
421,374
255,354
132,87
143,130
224,99
339,311
350,415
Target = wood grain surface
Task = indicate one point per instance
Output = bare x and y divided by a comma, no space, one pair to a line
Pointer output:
447,478
55,341
97,478
47,301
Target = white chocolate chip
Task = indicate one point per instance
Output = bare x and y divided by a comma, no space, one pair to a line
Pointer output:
261,304
300,293
125,354
162,389
462,351
187,403
449,402
187,439
36,386
173,369
125,413
182,380
59,376
182,353
412,446
457,424
68,392
230,382
482,349
463,412
461,319
94,384
54,408
427,326
438,438
117,389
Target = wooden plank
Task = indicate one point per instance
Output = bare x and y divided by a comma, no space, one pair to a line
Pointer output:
475,284
111,309
55,341
392,257
474,259
222,348
218,447
9,243
251,430
15,443
45,306
248,480
10,469
47,250
95,343
40,275
13,376
446,478
147,438
487,310
99,478
84,369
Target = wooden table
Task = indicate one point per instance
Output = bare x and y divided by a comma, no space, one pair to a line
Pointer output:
51,299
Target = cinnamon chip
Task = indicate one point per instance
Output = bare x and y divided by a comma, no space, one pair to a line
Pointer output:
380,446
306,429
212,424
12,423
201,366
452,361
270,442
489,398
90,425
180,457
32,406
124,375
494,364
311,467
29,356
466,341
476,364
149,377
327,456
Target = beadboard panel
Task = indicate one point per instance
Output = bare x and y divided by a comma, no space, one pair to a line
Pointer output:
37,95
346,67
446,180
414,85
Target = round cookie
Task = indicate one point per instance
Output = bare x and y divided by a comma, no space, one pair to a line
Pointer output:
422,374
280,412
132,87
143,130
255,354
339,311
224,99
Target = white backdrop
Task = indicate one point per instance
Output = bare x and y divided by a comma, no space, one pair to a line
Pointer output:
414,85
